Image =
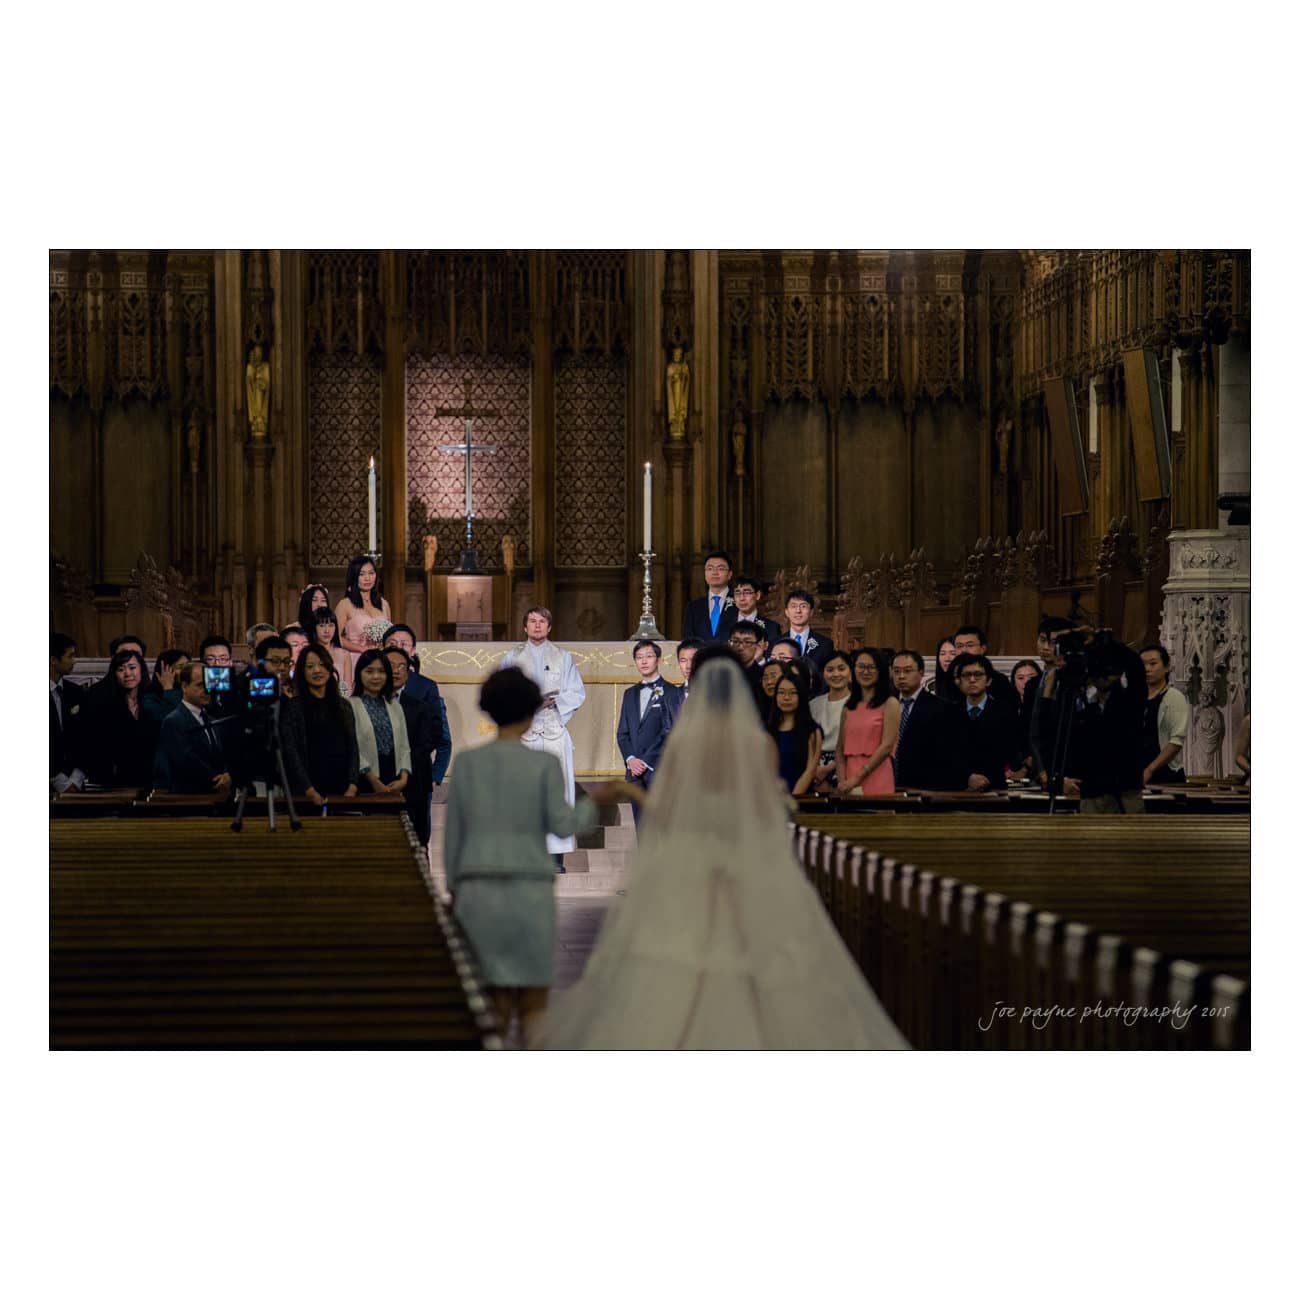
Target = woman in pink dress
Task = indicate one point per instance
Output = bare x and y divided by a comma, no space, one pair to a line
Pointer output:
868,728
362,603
325,633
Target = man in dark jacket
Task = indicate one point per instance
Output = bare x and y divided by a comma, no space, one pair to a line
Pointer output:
422,731
66,700
991,728
930,753
710,617
191,756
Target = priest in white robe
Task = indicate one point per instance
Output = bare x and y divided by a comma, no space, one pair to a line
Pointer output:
562,695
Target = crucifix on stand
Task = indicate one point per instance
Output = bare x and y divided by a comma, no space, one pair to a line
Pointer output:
468,413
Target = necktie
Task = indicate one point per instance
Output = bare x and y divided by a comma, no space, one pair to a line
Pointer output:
973,711
715,614
58,702
799,641
207,728
902,725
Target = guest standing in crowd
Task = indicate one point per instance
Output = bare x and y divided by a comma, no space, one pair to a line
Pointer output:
686,652
709,617
424,689
422,730
799,612
970,640
827,711
382,741
991,726
504,803
163,693
746,592
942,684
326,633
319,731
1164,724
363,603
868,728
929,753
297,639
313,598
192,755
120,739
67,700
746,638
1024,677
798,738
766,691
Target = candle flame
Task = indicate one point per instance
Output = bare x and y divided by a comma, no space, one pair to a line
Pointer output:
647,464
372,462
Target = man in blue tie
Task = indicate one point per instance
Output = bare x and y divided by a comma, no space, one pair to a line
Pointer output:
798,612
647,716
991,729
710,618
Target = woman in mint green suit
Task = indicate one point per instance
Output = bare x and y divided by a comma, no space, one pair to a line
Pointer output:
503,802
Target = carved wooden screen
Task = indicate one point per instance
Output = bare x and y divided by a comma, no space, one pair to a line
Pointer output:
435,480
590,460
343,428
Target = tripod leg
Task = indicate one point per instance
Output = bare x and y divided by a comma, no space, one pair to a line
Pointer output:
270,808
295,822
238,823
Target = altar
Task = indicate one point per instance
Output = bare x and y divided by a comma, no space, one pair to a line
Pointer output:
607,670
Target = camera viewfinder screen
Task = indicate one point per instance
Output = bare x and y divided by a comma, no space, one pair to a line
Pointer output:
216,679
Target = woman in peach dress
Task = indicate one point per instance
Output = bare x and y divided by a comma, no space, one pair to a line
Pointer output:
868,728
325,633
363,603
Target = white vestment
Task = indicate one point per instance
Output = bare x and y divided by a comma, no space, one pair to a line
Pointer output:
555,674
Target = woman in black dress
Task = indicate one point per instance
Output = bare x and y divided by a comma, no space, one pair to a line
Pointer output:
120,737
319,731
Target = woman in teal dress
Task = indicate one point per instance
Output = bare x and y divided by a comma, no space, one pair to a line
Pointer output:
504,801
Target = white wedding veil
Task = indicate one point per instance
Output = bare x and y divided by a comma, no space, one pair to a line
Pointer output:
721,942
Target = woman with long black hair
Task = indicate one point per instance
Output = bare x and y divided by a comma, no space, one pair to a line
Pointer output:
313,598
163,692
798,738
325,632
120,738
942,684
363,603
868,728
319,731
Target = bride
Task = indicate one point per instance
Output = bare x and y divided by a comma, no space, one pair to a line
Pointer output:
721,942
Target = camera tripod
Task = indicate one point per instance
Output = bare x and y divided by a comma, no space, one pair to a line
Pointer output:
273,746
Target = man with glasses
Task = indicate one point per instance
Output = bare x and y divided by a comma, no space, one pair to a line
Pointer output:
746,593
991,734
709,617
746,639
277,655
970,640
929,753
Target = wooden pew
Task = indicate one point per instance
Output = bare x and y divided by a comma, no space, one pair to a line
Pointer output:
181,934
950,916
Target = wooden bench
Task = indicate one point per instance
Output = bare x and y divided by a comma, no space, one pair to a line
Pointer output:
950,917
179,934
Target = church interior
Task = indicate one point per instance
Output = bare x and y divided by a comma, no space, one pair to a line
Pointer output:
919,441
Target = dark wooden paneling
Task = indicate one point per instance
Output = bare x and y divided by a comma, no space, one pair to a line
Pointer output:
872,468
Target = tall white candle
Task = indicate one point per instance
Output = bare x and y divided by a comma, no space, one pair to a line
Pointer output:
372,505
645,509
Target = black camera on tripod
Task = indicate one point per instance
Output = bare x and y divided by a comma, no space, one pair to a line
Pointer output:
1088,660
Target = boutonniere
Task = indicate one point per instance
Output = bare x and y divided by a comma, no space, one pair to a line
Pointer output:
728,603
812,641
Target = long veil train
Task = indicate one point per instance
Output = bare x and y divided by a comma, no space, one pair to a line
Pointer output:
721,942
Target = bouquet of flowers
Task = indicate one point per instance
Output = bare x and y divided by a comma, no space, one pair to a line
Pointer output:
375,631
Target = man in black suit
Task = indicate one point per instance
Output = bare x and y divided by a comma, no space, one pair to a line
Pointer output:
969,640
422,729
816,650
746,638
424,689
930,753
646,718
745,591
991,728
709,618
191,756
66,699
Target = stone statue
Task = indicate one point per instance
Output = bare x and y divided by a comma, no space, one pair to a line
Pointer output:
430,552
1207,736
257,387
192,444
679,391
508,554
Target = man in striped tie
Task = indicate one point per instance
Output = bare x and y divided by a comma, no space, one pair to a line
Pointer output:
929,753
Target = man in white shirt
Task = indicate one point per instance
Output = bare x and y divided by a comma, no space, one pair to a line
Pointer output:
645,718
799,610
191,757
563,693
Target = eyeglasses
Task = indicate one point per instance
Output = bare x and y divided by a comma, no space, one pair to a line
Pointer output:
742,640
977,676
278,662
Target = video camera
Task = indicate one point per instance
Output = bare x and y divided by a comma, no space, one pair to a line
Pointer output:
252,712
1089,660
